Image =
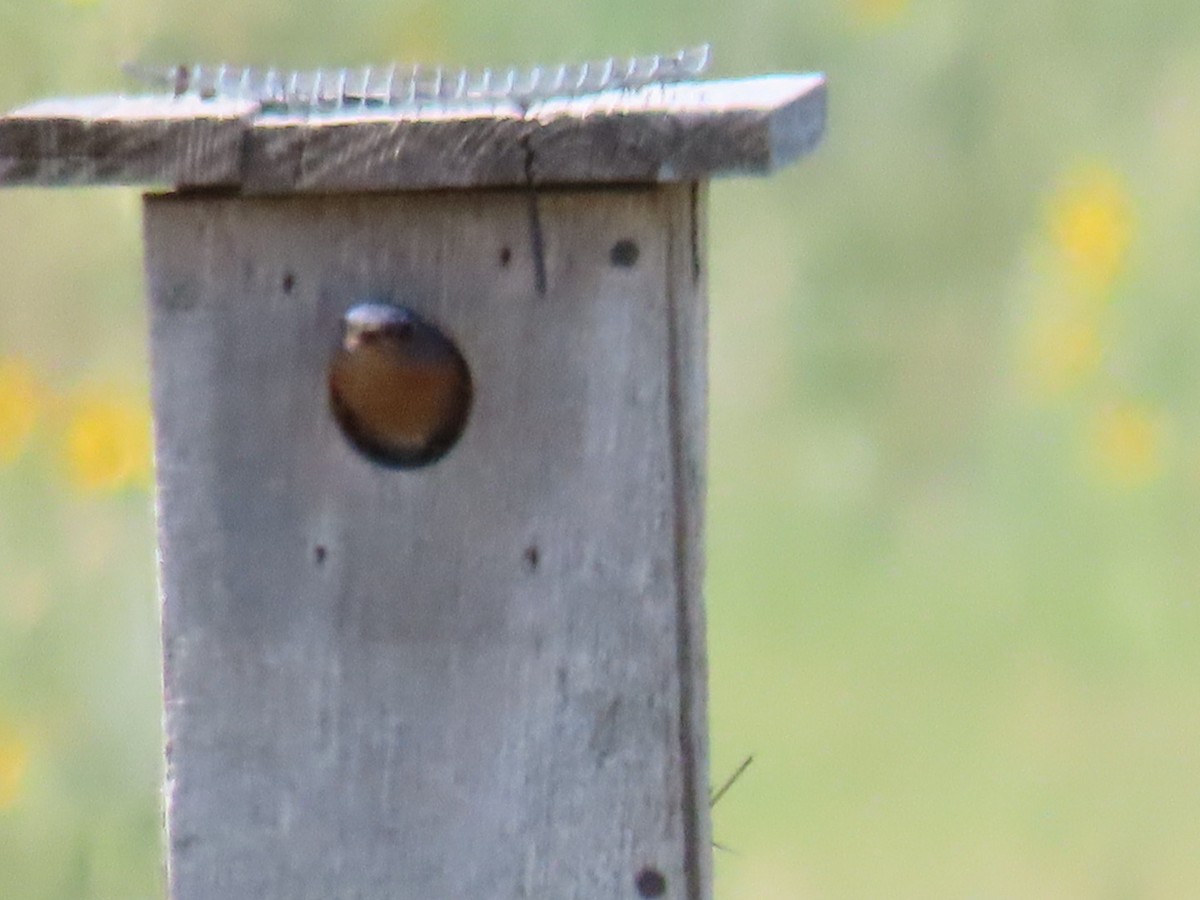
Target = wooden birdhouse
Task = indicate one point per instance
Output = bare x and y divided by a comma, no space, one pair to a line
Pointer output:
429,367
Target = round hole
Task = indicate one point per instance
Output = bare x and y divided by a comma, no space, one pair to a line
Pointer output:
319,554
532,557
505,256
289,282
624,253
650,883
398,387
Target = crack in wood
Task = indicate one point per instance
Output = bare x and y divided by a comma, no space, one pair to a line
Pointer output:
694,230
536,235
691,811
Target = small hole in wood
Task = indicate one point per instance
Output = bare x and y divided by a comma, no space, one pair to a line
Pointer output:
398,387
505,256
532,557
624,253
319,554
289,282
650,883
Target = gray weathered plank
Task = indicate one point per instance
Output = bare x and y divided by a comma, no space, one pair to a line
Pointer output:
667,133
479,680
119,140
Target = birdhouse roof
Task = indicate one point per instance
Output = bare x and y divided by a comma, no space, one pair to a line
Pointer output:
683,131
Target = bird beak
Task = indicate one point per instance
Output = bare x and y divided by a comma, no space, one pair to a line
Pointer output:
352,334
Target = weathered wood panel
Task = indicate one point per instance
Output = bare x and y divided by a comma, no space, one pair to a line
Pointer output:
664,133
481,679
119,140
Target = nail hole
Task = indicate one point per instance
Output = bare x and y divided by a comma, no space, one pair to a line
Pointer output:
398,387
505,256
185,842
624,253
532,556
289,282
319,554
650,883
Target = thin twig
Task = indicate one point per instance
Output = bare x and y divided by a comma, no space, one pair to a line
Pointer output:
720,792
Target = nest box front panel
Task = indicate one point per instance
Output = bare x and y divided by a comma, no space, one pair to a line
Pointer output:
378,664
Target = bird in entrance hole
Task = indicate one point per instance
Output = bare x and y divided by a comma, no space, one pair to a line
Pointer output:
398,387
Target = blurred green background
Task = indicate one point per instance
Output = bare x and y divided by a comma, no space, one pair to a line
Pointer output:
955,475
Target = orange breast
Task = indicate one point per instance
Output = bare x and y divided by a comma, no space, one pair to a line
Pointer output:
393,404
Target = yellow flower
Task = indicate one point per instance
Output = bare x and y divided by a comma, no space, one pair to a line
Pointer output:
19,402
1126,444
14,760
1091,226
107,444
878,12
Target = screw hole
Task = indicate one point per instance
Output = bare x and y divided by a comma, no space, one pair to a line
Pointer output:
289,282
319,554
505,256
650,883
624,253
532,557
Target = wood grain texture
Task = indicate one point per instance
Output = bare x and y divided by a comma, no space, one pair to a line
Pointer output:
116,140
663,133
482,679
